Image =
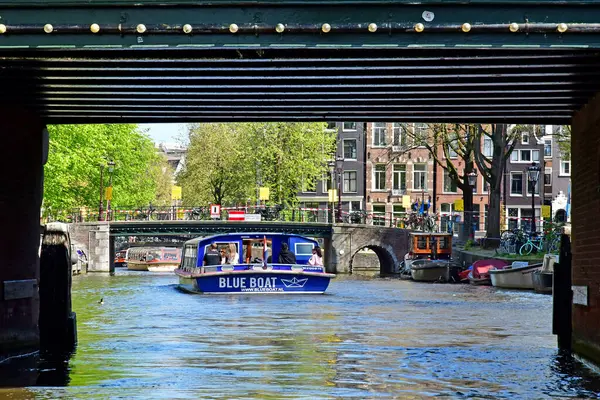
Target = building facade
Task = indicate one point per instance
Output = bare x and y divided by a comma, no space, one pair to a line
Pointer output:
350,146
396,168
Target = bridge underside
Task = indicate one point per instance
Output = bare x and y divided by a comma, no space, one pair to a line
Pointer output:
421,85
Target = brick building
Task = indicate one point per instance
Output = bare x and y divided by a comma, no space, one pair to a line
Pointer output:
394,169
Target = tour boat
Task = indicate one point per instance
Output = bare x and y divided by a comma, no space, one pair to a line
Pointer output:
153,259
519,275
121,258
255,273
480,273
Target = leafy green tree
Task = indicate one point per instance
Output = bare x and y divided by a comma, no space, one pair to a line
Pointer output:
76,154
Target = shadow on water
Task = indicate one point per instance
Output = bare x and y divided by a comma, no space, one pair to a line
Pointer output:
36,369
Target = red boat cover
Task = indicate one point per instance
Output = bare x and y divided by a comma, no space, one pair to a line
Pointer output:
481,268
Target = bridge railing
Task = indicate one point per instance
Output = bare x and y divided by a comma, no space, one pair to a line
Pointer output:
414,221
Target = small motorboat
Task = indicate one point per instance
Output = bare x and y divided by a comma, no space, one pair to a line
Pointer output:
542,279
253,275
519,275
480,274
425,270
121,259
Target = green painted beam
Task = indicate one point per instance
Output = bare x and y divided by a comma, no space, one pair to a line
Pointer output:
67,24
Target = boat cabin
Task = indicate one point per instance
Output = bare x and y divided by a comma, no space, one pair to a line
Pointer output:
249,246
430,245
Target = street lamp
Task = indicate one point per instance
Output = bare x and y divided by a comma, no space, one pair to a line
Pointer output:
331,165
472,180
339,162
533,174
100,211
472,177
111,169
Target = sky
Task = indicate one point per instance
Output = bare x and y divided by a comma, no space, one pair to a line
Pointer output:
164,132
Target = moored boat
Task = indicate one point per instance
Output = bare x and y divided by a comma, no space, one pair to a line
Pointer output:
424,270
480,273
519,275
121,259
542,279
153,259
253,274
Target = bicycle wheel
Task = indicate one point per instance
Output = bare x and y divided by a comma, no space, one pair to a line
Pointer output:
526,249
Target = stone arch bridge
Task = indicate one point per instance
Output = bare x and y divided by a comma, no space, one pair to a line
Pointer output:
341,242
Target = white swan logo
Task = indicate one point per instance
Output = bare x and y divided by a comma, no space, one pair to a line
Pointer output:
294,282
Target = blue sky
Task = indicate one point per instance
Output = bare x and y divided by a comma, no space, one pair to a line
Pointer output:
164,132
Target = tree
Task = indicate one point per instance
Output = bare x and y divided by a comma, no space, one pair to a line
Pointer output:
76,152
226,163
492,169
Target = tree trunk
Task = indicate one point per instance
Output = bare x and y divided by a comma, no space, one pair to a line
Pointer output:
493,229
468,212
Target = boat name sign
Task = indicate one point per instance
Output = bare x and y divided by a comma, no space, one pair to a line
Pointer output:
247,282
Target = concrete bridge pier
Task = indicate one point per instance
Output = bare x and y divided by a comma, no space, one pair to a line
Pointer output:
25,147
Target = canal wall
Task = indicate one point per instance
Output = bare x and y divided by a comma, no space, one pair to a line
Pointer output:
585,214
94,240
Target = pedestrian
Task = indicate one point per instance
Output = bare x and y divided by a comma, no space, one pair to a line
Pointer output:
223,256
285,255
317,257
212,256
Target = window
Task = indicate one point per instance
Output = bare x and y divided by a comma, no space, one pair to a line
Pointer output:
548,148
379,214
421,133
451,152
485,216
304,249
512,218
537,188
331,125
349,126
399,133
449,184
350,149
565,168
399,213
349,181
514,156
525,155
379,133
488,147
525,138
446,207
379,177
420,176
327,184
399,177
516,183
548,176
535,155
485,187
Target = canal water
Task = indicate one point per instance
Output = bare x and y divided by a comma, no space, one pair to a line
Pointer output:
366,338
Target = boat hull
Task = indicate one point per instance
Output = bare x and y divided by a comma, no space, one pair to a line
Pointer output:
542,282
514,278
255,282
133,266
163,267
484,281
442,272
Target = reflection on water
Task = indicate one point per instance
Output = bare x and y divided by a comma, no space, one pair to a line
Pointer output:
364,339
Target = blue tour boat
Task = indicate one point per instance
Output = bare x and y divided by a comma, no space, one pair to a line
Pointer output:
255,273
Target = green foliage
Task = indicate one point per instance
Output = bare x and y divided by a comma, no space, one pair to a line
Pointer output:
76,152
226,163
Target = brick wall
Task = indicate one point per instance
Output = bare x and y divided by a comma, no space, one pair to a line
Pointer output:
585,217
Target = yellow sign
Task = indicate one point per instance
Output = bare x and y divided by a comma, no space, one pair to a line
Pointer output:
108,193
263,193
459,205
406,201
332,195
176,193
545,211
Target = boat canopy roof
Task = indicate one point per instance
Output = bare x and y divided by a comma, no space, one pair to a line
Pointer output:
430,234
237,236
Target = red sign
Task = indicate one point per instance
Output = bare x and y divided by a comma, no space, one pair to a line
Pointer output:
215,211
236,215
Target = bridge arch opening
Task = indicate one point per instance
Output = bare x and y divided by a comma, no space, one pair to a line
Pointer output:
372,260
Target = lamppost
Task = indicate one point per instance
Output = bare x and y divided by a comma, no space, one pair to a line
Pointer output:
111,169
331,165
100,211
472,180
339,161
533,174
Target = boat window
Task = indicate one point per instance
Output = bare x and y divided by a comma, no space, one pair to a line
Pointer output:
444,242
189,260
304,249
422,242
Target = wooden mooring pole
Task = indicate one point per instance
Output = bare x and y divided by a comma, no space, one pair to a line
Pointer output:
562,296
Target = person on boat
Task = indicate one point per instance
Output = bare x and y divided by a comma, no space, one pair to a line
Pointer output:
317,257
285,255
233,257
223,257
212,256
